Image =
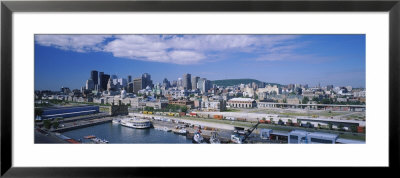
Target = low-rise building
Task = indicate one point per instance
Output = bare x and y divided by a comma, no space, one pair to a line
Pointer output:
241,103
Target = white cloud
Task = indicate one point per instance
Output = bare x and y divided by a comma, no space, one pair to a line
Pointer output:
177,49
77,43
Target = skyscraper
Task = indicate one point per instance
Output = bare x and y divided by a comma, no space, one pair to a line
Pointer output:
94,75
204,85
110,85
130,87
137,84
89,84
179,82
129,78
195,79
166,83
146,78
104,81
101,75
186,81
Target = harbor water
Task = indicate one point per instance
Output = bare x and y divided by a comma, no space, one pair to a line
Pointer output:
115,133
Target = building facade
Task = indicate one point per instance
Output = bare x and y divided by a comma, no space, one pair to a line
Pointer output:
241,103
186,81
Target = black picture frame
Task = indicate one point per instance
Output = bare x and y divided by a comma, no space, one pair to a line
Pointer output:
8,7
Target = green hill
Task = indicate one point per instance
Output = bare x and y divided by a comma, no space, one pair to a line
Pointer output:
231,82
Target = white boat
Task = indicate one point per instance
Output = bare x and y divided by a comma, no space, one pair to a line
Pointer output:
166,129
236,139
197,138
214,138
136,123
181,131
116,121
99,141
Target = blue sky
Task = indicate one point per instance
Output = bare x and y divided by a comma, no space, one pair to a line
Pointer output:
66,60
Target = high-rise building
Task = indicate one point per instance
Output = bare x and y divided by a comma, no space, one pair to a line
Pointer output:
130,87
166,83
186,81
179,82
195,79
129,78
204,85
146,78
89,84
103,81
110,85
137,84
174,83
101,75
94,75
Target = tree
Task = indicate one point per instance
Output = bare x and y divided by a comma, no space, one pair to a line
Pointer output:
55,124
284,100
353,128
341,127
148,108
184,109
47,124
305,100
38,112
330,125
290,122
309,124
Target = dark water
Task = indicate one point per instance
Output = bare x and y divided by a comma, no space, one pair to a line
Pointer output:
114,133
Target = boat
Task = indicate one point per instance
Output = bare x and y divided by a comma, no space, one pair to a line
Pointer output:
158,128
197,138
166,129
89,137
99,141
116,121
214,138
236,138
180,131
136,123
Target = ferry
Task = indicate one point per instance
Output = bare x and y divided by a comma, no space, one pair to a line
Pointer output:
136,123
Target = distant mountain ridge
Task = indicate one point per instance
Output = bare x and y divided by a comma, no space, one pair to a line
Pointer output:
231,82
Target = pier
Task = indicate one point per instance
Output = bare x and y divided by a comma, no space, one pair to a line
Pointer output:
82,124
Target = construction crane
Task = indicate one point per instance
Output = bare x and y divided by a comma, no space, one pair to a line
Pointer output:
249,131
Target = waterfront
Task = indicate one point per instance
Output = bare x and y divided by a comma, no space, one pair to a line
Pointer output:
116,133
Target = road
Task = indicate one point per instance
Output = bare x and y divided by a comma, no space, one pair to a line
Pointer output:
42,138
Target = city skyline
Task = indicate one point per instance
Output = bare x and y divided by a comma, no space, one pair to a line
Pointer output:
66,60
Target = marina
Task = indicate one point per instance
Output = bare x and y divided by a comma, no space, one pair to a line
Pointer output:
114,133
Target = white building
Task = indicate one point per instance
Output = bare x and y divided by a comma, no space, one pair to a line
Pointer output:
241,103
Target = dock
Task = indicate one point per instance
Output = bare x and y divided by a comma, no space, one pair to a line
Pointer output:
83,124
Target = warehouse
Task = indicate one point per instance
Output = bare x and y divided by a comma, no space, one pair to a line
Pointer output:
64,112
